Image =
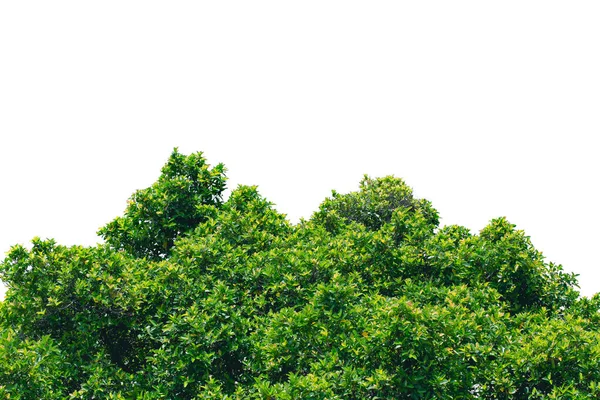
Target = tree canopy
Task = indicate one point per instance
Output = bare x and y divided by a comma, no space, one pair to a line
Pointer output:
196,297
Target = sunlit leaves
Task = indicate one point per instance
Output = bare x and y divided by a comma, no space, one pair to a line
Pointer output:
174,205
197,297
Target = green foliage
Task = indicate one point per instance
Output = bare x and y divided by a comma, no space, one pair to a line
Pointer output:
30,369
172,206
193,297
373,205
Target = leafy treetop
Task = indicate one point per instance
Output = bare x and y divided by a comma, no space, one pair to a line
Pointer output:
197,297
157,215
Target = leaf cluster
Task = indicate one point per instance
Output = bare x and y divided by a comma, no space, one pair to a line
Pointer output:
196,297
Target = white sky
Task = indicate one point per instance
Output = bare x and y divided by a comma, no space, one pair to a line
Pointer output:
485,108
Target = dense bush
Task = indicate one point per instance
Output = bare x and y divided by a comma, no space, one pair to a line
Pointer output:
194,297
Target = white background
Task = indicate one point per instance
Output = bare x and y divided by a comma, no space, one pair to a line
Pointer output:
485,108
